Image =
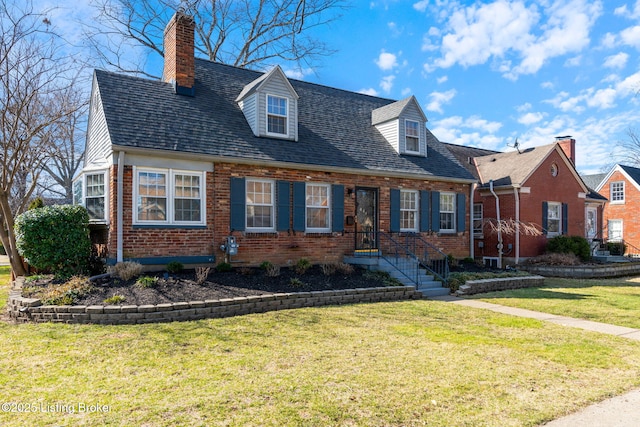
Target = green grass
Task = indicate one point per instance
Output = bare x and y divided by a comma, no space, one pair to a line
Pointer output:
394,364
615,301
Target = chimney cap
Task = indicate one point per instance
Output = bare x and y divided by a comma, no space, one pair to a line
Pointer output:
562,138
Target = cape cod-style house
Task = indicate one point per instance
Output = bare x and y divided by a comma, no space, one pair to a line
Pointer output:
216,163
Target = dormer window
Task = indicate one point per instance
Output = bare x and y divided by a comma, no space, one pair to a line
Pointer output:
277,115
412,136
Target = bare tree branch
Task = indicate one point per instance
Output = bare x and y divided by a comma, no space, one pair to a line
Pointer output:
239,32
630,148
511,227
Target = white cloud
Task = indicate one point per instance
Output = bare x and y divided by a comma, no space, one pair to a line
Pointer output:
442,79
530,118
369,91
631,36
438,99
616,61
387,83
573,62
524,107
298,73
421,6
386,61
602,99
608,40
621,11
472,131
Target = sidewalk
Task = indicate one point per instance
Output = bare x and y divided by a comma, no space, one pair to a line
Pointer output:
619,411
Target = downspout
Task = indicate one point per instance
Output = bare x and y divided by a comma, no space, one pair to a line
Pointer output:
471,240
517,196
119,207
500,245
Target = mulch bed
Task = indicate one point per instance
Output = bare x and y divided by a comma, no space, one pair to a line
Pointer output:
236,283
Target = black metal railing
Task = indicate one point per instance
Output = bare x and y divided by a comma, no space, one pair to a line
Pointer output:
409,253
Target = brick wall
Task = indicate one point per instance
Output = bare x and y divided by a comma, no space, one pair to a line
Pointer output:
280,248
627,211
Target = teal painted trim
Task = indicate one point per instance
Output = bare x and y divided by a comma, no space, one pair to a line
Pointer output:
163,260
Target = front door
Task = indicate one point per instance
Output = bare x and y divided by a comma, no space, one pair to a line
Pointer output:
591,222
366,218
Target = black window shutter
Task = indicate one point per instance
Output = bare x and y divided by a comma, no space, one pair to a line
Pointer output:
283,216
545,217
337,208
435,211
299,206
425,215
238,207
394,214
461,211
565,218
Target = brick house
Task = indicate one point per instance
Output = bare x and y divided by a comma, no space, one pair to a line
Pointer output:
289,169
537,187
621,185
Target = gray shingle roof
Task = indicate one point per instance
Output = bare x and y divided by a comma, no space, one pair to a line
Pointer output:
334,125
464,155
634,173
594,180
512,167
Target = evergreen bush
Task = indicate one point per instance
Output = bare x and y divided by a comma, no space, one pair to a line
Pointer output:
577,245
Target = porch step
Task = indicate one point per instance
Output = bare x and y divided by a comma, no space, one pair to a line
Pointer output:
427,285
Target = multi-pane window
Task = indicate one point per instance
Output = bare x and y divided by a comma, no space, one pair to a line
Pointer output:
408,210
90,191
260,205
317,207
169,197
276,115
615,230
152,196
447,212
554,219
187,200
412,135
478,219
617,191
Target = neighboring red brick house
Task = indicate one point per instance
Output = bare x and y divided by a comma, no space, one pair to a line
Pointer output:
622,187
536,187
289,169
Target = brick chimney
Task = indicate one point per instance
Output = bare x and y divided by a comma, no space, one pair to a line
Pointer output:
568,145
179,60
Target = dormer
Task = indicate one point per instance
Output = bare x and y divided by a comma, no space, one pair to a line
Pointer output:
403,125
270,105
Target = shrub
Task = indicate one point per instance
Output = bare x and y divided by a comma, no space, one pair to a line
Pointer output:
273,270
146,282
223,267
382,276
175,267
616,248
201,274
345,268
329,268
60,294
115,299
302,266
570,245
126,270
296,283
265,265
55,239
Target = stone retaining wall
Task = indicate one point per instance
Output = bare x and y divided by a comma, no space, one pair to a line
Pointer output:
31,310
499,284
585,271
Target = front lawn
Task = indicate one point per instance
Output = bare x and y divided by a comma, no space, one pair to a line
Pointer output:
615,301
394,364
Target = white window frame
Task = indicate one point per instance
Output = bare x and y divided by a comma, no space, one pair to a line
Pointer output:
610,236
451,212
271,204
309,204
80,192
170,196
407,135
551,207
275,114
617,194
411,212
478,231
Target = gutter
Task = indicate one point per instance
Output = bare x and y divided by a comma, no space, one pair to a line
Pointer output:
517,197
119,209
471,238
500,245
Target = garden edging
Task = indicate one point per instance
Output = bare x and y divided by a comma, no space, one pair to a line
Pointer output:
472,287
31,310
585,271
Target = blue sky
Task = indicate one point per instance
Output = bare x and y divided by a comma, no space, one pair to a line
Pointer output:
489,72
485,72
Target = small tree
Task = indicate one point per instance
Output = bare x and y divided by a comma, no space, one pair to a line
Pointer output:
55,239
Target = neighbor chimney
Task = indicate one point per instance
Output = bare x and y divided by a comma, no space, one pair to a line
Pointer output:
568,145
179,61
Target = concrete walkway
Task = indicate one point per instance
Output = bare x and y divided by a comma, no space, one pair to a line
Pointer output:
619,411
